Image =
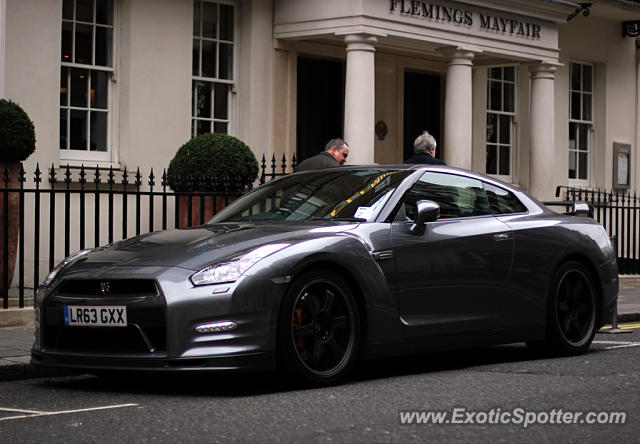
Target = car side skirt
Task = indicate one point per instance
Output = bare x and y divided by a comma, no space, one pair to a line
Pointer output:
454,341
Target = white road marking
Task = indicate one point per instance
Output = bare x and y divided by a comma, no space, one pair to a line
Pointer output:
611,342
35,413
6,409
621,344
633,344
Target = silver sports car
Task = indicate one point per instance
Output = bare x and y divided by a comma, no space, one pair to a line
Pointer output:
310,272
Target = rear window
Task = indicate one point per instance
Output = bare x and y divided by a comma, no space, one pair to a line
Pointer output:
502,201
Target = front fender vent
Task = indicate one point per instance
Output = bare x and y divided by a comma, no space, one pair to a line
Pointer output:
382,255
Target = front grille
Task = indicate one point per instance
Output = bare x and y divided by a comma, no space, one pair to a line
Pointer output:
108,288
146,330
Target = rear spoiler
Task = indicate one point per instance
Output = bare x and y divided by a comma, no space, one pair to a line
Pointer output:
573,208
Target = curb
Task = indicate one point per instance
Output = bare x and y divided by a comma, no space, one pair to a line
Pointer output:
628,317
17,317
24,370
629,281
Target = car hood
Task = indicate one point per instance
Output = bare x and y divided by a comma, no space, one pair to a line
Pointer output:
195,248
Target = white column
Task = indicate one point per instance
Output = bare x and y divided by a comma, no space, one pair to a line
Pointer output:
458,108
3,32
359,98
542,137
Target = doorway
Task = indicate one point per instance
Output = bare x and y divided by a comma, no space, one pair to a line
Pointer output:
422,105
320,107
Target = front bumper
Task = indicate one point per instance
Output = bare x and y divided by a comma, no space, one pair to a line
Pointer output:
162,334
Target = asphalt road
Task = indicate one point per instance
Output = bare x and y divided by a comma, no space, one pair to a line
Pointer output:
467,386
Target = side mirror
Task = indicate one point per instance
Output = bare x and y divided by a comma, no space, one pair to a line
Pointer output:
580,208
426,211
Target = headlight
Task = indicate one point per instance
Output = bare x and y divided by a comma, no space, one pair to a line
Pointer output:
62,265
234,268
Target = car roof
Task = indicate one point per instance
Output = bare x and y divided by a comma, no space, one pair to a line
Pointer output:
421,167
442,168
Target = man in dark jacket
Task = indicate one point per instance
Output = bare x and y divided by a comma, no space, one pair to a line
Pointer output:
335,154
425,150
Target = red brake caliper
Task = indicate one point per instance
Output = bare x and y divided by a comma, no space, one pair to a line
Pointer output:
297,322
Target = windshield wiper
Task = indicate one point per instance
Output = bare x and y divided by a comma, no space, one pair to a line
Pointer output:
342,219
350,219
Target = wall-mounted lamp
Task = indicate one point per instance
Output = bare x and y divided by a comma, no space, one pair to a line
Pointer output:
381,129
631,29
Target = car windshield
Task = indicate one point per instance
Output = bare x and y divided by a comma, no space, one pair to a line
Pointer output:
342,194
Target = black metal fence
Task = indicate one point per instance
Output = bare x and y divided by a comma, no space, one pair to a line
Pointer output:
619,213
55,212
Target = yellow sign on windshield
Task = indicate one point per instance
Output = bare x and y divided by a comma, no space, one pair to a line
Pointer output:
366,189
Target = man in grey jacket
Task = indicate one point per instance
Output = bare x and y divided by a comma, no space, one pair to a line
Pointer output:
335,154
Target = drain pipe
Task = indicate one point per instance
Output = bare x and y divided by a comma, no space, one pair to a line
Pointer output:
3,32
637,150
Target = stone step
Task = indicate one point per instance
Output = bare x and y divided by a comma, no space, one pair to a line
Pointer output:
14,301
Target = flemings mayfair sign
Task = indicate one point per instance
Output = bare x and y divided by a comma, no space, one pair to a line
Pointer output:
464,17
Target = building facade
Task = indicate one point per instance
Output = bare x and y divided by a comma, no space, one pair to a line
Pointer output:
538,93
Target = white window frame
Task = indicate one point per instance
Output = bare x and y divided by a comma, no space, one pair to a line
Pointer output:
83,157
509,178
233,83
586,182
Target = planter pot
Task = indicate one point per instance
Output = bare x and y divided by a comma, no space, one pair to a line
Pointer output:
212,204
10,232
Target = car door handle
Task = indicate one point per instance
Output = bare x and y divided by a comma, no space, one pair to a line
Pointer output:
502,236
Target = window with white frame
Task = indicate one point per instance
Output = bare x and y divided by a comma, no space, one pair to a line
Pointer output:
580,121
501,106
213,66
85,86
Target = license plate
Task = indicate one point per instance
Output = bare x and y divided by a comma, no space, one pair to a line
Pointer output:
95,316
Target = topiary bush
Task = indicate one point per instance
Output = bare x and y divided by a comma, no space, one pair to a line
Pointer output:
17,134
212,162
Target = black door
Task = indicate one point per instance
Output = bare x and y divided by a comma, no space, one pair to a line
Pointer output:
320,108
421,109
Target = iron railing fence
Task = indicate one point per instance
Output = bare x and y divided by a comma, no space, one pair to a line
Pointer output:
282,170
55,212
619,214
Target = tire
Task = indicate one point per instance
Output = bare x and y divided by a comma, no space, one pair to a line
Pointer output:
571,310
318,329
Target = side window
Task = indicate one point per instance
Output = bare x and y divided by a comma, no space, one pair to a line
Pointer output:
502,201
457,196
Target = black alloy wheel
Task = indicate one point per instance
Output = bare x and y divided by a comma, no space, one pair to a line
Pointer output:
572,309
319,328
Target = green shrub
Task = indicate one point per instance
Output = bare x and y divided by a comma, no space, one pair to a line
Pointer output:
212,162
17,134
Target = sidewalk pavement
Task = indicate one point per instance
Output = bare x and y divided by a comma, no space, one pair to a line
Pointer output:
16,342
